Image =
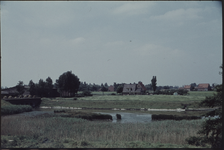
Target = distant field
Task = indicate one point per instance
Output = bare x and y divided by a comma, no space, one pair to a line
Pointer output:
131,101
101,93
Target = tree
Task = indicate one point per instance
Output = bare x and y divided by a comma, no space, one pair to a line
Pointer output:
120,89
193,85
103,89
154,83
41,88
166,87
211,131
49,86
94,88
20,87
32,89
148,86
115,86
68,82
106,85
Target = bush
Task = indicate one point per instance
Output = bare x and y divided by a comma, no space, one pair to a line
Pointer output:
197,141
182,92
113,94
173,117
87,93
14,109
120,89
83,143
170,92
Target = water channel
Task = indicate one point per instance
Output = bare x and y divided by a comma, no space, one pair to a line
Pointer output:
130,117
126,117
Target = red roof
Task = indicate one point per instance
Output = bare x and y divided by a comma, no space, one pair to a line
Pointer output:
187,87
142,85
203,86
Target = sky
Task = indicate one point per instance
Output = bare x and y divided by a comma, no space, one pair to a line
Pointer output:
105,42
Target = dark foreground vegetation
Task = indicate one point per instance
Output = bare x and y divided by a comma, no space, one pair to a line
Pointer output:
173,117
8,109
83,115
52,131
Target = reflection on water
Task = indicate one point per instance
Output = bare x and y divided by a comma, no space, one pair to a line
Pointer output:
125,117
130,117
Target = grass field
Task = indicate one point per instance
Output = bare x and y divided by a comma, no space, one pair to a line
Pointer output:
58,132
131,101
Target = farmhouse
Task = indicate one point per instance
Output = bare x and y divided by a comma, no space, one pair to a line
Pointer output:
187,87
203,87
134,88
12,91
181,88
111,88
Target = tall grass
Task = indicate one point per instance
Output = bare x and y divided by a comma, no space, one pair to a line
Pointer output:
58,128
14,109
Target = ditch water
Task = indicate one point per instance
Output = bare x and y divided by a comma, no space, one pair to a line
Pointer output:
125,117
130,117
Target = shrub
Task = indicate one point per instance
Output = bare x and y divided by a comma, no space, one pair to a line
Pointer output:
198,141
173,117
113,94
182,92
87,93
66,141
14,109
170,92
83,143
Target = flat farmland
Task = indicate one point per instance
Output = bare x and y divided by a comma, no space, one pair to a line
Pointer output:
131,101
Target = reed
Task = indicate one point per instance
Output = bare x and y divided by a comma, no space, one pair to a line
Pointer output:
14,109
58,128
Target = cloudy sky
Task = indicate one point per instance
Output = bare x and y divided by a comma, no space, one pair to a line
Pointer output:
124,42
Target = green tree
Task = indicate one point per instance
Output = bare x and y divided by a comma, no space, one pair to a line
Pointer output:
20,87
115,86
94,88
153,81
120,89
211,131
32,89
106,85
193,85
68,82
49,87
103,89
41,88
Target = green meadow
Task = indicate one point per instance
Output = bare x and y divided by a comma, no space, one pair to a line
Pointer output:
130,101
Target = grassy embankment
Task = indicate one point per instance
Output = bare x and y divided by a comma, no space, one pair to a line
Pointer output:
8,109
58,132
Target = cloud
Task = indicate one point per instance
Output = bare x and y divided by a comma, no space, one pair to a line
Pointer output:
179,14
77,41
153,50
132,8
114,43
